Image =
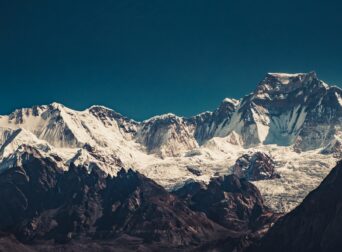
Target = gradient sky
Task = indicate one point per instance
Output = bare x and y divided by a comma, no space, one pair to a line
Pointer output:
143,58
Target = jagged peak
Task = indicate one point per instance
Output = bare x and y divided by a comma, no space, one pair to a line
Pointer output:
129,173
334,87
286,82
99,107
34,110
287,78
235,102
37,110
205,113
163,117
100,111
56,105
284,75
103,109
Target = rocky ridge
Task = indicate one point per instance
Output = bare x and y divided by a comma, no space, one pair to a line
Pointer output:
47,208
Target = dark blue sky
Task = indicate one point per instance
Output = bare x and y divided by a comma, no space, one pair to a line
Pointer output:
143,58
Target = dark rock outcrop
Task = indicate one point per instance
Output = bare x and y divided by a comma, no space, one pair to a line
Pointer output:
232,202
8,243
256,166
194,170
42,204
47,208
110,117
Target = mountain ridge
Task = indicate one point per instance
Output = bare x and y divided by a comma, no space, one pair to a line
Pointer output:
45,206
286,113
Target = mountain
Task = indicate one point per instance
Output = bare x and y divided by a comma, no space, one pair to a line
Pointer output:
40,202
315,225
255,166
46,208
232,202
294,117
167,135
288,109
210,124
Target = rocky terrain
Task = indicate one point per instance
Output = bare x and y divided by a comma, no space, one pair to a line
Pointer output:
44,208
256,166
232,202
47,209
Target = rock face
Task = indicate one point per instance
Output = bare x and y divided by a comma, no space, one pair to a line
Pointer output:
232,202
256,166
9,243
315,225
110,118
290,108
45,207
167,135
210,124
334,147
41,202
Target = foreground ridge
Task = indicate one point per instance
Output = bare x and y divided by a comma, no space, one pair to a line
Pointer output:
44,208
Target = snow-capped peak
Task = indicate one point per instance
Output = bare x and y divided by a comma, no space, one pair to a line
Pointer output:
163,116
99,107
230,100
282,83
57,105
286,78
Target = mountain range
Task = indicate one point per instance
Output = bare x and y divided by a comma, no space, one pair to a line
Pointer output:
245,177
47,209
287,115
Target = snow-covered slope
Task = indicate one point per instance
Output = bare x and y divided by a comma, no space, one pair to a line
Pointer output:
209,124
296,118
287,109
166,135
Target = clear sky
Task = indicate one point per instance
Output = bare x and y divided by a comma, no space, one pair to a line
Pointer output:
143,58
